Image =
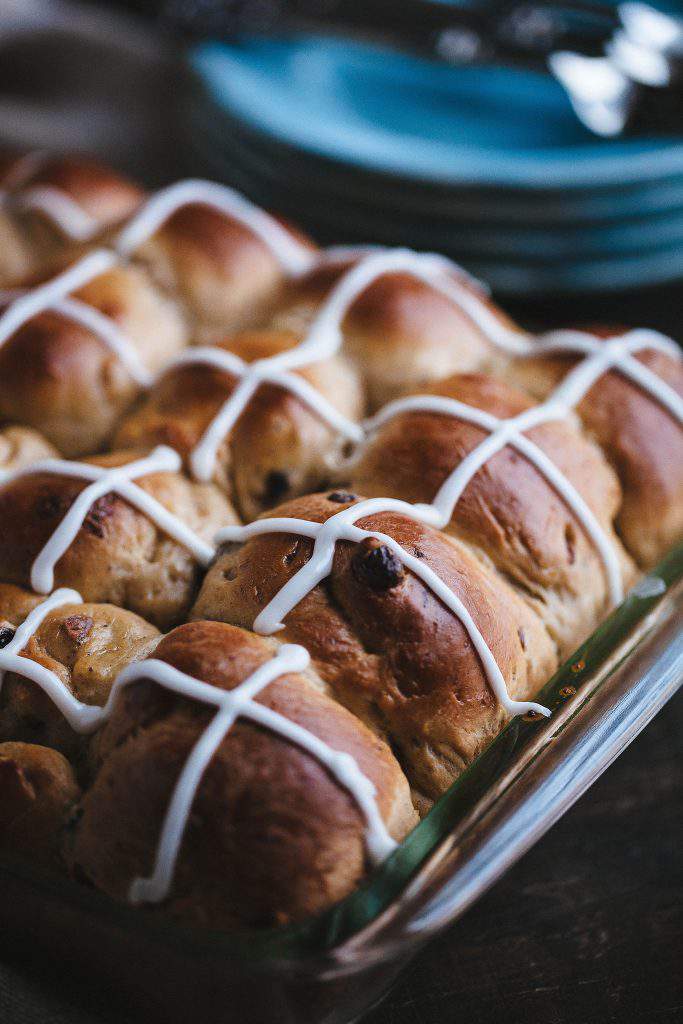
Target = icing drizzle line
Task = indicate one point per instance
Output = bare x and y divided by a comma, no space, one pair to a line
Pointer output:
240,703
601,357
294,256
119,480
504,432
68,215
250,378
230,705
103,327
341,526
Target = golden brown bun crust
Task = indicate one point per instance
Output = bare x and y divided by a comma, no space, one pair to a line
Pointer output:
402,333
31,244
226,275
86,645
56,376
103,193
119,555
289,841
277,448
38,791
508,511
643,442
389,649
59,377
21,446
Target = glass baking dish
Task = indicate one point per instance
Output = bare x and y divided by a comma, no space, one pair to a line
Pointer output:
334,967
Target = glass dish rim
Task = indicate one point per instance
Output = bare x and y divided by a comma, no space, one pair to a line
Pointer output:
317,937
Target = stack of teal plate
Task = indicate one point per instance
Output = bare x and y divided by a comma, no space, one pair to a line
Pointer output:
488,165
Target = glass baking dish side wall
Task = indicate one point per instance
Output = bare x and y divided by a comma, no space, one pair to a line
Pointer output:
600,699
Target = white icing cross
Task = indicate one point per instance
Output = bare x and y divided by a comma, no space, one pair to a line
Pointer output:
230,705
83,718
251,376
325,333
342,527
615,353
118,480
53,293
68,215
501,434
324,336
294,256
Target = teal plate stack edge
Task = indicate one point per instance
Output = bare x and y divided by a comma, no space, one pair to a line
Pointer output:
487,164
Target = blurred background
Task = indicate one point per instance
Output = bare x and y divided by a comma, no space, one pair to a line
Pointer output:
539,144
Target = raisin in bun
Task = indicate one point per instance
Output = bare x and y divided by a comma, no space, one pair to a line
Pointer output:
85,645
640,438
390,650
509,512
20,446
63,378
38,792
52,204
289,840
119,555
401,332
226,275
279,447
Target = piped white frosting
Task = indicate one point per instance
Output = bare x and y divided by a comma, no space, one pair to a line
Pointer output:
119,480
66,214
342,527
251,376
103,327
230,705
324,339
503,433
62,209
324,336
83,718
616,353
31,303
294,256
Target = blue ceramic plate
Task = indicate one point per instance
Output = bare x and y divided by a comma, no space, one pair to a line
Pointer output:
464,230
231,142
399,115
